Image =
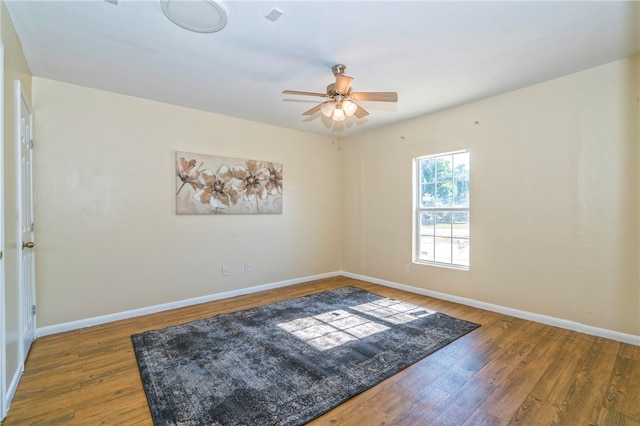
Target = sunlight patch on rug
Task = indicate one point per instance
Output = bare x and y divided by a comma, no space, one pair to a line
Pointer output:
394,311
331,329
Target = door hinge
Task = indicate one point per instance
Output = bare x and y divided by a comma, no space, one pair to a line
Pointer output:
31,143
33,227
33,309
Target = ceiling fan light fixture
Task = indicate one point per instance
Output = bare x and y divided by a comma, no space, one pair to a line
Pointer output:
200,16
339,115
349,107
327,108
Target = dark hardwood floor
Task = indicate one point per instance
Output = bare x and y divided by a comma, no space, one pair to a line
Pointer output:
507,372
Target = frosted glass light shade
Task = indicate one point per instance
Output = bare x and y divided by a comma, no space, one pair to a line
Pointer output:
339,115
327,108
349,108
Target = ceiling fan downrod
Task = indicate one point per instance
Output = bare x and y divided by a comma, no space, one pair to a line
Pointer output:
338,69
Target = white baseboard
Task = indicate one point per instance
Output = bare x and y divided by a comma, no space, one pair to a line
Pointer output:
88,322
556,322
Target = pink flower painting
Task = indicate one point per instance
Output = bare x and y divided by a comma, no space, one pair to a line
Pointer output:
209,184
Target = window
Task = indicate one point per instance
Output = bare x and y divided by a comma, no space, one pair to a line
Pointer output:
442,209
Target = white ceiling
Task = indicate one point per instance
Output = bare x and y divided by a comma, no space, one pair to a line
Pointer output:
435,54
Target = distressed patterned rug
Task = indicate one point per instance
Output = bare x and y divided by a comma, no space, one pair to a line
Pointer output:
287,362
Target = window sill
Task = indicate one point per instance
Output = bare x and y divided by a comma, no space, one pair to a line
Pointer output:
441,265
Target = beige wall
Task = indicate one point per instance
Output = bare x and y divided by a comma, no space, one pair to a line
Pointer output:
15,68
554,198
108,236
555,219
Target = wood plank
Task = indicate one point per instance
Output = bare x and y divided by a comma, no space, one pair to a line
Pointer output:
482,418
587,392
461,405
629,351
622,392
519,377
534,412
608,417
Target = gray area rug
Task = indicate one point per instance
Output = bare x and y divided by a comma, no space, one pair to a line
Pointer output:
287,362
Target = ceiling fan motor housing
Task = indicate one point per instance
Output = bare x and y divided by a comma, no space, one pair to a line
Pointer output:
331,91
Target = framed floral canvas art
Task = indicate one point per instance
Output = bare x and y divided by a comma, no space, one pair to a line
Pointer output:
209,184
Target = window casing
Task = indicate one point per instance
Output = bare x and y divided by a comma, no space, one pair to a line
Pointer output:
442,209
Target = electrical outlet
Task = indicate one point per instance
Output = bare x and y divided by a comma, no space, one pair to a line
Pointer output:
247,267
226,270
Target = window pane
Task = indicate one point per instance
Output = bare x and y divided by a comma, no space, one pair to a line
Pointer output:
461,166
461,193
427,170
427,222
444,194
461,224
428,195
443,224
461,179
444,168
461,251
425,249
443,250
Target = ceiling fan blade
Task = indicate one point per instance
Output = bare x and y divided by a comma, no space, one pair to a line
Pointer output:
375,96
343,84
361,112
313,110
295,92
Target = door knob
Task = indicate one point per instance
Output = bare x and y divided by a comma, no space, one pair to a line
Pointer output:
28,245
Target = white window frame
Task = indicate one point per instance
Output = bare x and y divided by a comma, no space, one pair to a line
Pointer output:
417,213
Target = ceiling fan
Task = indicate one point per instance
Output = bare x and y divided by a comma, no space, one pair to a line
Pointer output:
341,101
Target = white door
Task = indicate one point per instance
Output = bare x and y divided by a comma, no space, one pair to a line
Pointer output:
27,226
